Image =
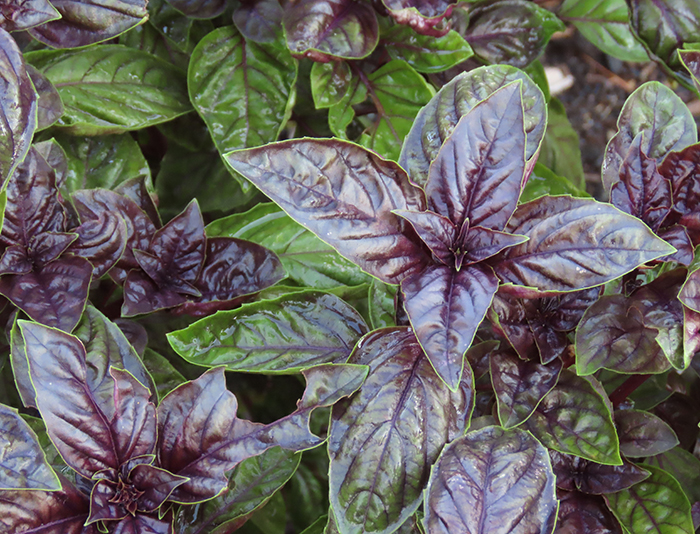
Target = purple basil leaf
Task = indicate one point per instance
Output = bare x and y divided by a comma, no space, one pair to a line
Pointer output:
23,464
643,433
482,477
481,243
20,15
16,260
479,171
138,190
520,385
259,21
689,293
383,441
436,121
642,191
663,117
142,295
101,241
426,17
345,194
445,308
199,9
145,524
200,436
584,514
48,246
677,236
18,108
50,107
682,169
575,244
56,157
105,504
575,419
436,231
331,29
54,295
45,512
85,22
589,477
284,335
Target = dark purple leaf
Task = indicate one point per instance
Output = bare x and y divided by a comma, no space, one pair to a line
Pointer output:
16,260
682,169
50,107
520,385
574,244
47,246
689,294
20,15
482,243
55,156
492,481
681,412
643,433
101,241
54,295
479,171
259,21
589,477
145,524
200,437
677,236
135,333
445,308
345,194
157,272
142,295
328,29
436,121
18,107
85,22
137,190
584,514
437,231
199,9
383,441
424,16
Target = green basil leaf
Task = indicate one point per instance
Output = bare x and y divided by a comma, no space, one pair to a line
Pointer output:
426,53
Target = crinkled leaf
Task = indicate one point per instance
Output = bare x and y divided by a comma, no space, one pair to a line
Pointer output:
345,195
251,484
492,481
283,335
199,9
24,14
327,29
436,121
130,90
643,433
383,441
575,244
424,16
49,107
445,308
200,437
101,241
520,385
425,53
606,25
145,524
683,466
478,172
142,295
561,152
584,514
22,464
244,91
259,21
329,83
573,418
55,294
656,505
574,473
18,108
663,117
514,32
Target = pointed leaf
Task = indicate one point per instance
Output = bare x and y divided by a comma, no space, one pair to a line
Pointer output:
348,204
24,14
434,123
445,308
575,244
584,514
425,53
327,29
643,433
130,90
143,295
49,106
481,243
329,83
436,231
283,335
573,418
573,472
55,156
383,441
101,241
492,481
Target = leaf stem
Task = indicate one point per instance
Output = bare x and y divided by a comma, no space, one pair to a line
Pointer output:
625,389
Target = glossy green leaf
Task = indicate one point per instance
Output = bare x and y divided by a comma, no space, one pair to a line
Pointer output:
426,53
543,182
341,114
656,506
243,91
329,83
560,151
492,481
147,38
683,466
112,88
284,335
382,304
165,376
606,25
173,25
573,418
383,441
643,433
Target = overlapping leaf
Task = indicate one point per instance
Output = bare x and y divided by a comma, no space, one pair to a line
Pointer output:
683,466
259,21
101,241
49,107
383,441
584,514
24,14
329,83
426,53
425,17
643,433
574,473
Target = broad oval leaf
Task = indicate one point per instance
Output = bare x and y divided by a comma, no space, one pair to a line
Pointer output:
130,90
199,9
49,107
327,29
643,433
283,335
426,53
573,418
657,506
575,244
383,441
24,14
436,121
23,464
85,22
244,91
329,83
18,108
345,195
492,481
